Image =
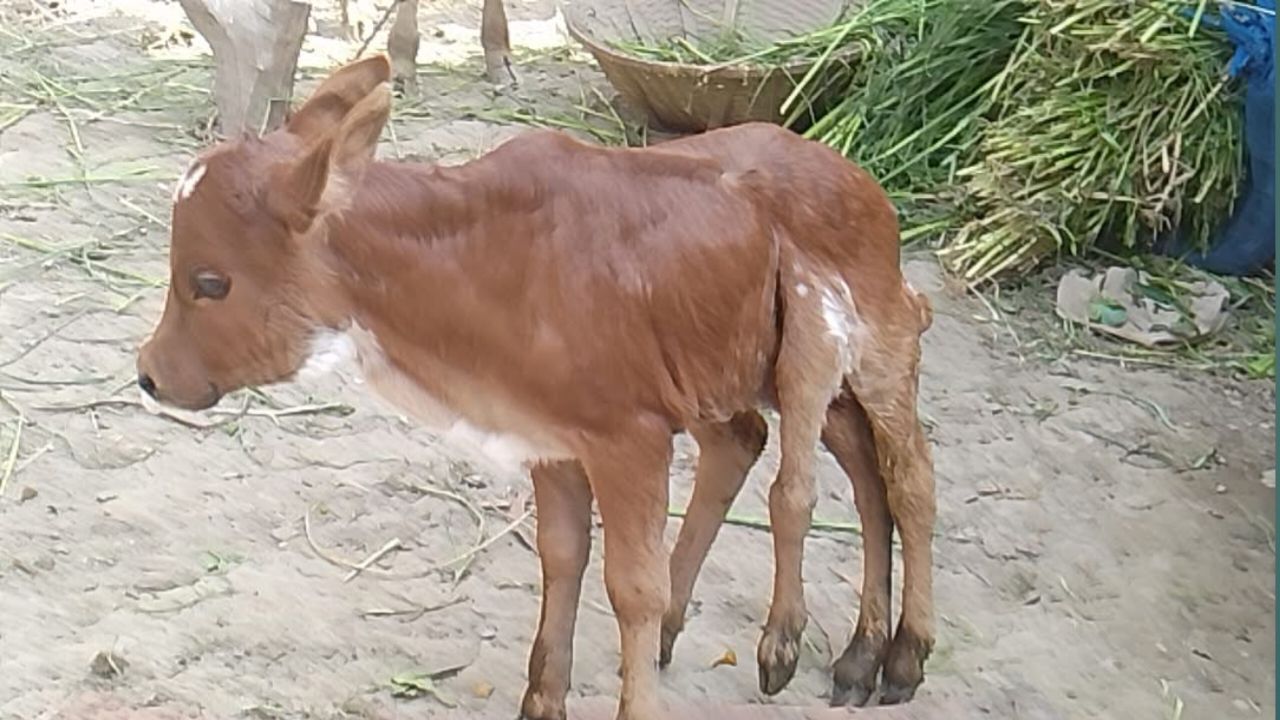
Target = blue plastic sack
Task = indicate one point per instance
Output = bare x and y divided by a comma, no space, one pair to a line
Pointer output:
1245,244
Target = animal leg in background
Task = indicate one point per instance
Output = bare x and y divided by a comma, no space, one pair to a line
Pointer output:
495,38
402,47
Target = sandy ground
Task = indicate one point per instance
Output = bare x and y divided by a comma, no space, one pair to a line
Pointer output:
1105,545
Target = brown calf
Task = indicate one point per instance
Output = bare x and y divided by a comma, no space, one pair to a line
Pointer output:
569,307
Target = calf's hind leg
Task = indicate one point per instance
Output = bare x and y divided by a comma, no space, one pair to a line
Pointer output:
886,385
848,437
807,375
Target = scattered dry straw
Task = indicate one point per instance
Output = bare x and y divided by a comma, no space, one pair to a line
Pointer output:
464,558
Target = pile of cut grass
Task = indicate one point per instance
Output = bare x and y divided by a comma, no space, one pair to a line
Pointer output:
913,103
734,46
1015,130
1113,127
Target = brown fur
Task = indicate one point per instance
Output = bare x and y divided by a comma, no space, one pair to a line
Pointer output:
584,304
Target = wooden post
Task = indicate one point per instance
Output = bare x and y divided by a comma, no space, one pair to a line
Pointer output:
255,47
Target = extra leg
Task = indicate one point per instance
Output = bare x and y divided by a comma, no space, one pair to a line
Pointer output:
563,500
630,479
726,452
848,437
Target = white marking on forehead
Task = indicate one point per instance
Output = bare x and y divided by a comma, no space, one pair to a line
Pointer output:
802,290
187,183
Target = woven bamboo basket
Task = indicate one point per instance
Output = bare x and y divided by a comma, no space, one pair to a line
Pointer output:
693,98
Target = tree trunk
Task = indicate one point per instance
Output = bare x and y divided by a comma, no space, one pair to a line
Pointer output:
255,47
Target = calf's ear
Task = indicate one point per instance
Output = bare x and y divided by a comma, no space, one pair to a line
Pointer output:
294,190
337,96
357,138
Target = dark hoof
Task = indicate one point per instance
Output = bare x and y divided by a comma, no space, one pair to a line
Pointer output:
897,694
851,695
904,668
501,73
535,707
404,87
665,647
855,673
776,658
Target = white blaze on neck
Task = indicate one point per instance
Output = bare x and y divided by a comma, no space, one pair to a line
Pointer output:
329,350
187,183
503,451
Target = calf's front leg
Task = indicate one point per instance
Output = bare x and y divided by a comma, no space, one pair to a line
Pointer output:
629,478
563,500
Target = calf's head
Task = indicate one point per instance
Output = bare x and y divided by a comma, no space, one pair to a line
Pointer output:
248,292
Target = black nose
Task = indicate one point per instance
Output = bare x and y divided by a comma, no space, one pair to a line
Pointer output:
147,384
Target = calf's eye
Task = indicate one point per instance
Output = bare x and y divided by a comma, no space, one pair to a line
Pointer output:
210,285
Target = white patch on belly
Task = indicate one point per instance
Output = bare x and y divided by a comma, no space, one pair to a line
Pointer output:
187,183
506,452
503,451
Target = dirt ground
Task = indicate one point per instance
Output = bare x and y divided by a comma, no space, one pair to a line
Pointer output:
1105,544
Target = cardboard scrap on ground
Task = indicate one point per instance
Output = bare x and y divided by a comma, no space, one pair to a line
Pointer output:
1113,302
